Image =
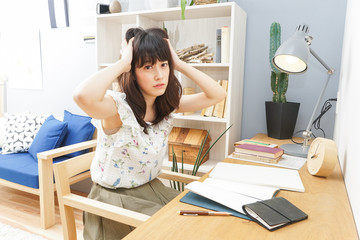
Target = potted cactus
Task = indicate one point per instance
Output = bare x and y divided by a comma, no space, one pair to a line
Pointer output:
280,115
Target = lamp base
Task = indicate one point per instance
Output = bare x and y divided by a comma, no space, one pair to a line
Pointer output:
295,150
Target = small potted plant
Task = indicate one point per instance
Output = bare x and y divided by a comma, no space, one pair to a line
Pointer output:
280,115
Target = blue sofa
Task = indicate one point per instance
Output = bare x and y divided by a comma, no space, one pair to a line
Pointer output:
32,171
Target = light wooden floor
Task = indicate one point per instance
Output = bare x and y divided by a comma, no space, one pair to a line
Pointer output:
21,210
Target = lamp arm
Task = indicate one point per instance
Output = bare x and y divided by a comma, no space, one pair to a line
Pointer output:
330,70
317,104
307,132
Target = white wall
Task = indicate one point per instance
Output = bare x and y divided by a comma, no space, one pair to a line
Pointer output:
326,20
66,58
347,125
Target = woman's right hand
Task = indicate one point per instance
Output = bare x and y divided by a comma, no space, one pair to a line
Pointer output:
127,54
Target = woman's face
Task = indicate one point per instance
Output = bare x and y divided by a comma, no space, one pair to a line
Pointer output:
153,78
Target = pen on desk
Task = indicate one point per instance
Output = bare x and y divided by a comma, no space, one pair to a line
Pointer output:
202,213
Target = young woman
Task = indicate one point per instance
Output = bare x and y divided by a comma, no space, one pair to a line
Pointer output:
134,123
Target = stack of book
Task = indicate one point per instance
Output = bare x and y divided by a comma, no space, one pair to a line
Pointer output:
257,151
219,109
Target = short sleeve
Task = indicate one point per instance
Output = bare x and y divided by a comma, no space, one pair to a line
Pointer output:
126,114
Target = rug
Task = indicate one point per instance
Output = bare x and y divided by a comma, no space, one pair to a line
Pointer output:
10,233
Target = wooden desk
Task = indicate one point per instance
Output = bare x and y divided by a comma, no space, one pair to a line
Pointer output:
325,201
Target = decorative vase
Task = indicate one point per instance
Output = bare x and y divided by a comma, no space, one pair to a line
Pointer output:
115,6
281,119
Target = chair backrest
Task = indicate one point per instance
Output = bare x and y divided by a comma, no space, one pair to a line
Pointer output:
67,201
65,170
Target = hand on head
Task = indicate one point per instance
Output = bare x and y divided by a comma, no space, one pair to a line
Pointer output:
174,56
127,53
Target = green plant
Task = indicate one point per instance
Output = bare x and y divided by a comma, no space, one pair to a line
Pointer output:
183,6
279,80
198,161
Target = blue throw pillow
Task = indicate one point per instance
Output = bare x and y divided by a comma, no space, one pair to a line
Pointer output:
80,129
49,136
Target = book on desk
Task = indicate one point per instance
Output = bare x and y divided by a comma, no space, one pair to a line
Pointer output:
257,151
231,187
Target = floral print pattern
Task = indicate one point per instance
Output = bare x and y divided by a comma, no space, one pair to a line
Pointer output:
129,157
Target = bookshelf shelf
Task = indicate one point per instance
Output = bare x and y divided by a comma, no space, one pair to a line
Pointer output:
210,65
198,117
199,26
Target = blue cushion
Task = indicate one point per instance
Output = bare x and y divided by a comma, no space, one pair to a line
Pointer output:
21,168
80,129
49,136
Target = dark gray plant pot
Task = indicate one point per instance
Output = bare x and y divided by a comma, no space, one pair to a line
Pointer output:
281,119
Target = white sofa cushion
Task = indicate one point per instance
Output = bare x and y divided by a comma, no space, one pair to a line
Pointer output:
20,131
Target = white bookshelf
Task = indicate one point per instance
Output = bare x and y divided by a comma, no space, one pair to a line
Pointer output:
199,26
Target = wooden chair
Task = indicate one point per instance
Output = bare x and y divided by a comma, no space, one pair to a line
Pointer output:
46,180
67,201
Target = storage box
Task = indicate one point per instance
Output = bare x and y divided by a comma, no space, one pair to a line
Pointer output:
188,140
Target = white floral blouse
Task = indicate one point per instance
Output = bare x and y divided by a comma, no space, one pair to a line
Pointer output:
129,157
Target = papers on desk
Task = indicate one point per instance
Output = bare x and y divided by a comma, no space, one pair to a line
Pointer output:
287,161
230,194
285,179
234,185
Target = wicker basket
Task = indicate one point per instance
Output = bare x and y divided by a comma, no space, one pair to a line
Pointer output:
200,2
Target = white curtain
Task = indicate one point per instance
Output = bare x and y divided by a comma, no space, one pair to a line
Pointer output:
3,80
347,125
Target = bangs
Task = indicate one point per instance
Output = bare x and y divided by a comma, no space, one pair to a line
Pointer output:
150,49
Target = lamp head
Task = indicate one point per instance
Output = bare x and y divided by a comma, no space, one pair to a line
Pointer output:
292,55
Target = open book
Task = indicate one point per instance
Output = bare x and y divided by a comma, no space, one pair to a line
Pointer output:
234,185
230,194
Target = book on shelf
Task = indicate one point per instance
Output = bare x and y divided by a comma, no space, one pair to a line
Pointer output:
217,110
188,91
255,157
220,106
218,46
208,111
234,186
259,150
225,44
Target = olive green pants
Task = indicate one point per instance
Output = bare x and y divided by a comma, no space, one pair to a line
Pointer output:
146,199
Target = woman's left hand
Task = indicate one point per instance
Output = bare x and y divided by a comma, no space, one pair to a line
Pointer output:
174,56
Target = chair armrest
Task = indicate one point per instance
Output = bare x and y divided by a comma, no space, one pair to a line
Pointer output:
61,151
180,177
105,210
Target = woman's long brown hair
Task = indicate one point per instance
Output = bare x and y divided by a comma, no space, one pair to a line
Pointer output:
149,46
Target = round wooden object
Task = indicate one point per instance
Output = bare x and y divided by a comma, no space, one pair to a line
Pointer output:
115,6
322,157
